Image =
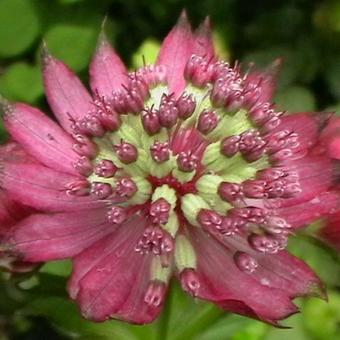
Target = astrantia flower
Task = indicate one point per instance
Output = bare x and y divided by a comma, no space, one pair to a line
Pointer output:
180,168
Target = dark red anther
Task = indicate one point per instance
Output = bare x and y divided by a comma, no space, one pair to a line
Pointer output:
126,152
160,152
168,111
78,188
150,121
207,121
187,161
106,114
190,281
254,188
84,166
101,190
199,70
159,211
230,192
186,105
84,146
230,145
117,215
209,218
105,168
125,188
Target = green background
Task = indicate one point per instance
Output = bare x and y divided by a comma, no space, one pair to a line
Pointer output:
305,33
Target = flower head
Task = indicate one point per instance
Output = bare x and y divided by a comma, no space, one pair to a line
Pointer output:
184,167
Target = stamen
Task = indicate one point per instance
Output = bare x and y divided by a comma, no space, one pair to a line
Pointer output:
155,293
126,152
84,146
230,192
105,168
155,240
187,161
168,111
207,121
189,281
245,262
267,244
101,190
186,105
83,166
160,152
78,188
117,215
159,211
125,188
150,121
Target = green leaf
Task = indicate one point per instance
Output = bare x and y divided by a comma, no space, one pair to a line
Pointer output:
65,316
73,44
325,263
60,268
322,319
295,99
19,26
22,82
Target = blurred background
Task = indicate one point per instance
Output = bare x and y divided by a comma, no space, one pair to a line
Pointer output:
305,33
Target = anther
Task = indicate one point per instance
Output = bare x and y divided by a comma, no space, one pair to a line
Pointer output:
230,192
186,105
105,168
159,211
168,111
78,188
84,146
160,152
150,121
190,281
207,121
155,293
126,152
83,166
117,215
245,262
101,190
125,188
187,161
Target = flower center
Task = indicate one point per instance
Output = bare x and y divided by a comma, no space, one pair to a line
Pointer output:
205,157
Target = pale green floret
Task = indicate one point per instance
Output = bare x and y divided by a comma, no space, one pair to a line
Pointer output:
160,170
185,256
167,193
207,187
94,178
191,206
212,153
156,95
230,125
172,225
182,176
127,134
158,271
162,136
243,169
143,193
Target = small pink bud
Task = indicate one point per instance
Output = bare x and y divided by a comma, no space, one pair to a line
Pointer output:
126,152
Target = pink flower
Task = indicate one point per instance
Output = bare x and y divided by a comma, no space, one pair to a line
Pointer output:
180,168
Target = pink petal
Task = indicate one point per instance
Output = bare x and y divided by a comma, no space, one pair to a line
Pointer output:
107,71
232,289
11,212
203,43
330,137
110,279
266,80
302,214
175,52
41,137
65,93
331,232
44,237
42,188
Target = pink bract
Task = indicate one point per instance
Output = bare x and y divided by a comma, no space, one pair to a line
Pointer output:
180,168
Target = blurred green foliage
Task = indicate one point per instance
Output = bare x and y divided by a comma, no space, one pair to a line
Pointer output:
305,33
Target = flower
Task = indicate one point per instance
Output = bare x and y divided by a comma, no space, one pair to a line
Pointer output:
180,168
